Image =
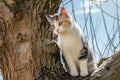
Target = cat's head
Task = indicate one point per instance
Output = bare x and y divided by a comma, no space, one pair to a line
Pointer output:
61,21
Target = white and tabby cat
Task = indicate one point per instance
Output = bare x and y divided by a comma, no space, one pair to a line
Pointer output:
76,52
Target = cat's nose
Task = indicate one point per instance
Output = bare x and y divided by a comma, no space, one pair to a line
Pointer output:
57,30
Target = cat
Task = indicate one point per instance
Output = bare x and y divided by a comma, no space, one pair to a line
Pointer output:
76,53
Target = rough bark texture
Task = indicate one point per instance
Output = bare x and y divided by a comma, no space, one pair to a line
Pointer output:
109,69
26,50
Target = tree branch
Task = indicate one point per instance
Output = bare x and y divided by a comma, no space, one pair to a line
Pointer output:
108,70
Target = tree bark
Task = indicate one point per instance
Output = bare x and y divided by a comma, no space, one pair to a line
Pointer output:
26,48
26,52
109,69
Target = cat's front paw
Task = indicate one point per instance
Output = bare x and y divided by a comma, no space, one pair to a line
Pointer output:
74,73
83,74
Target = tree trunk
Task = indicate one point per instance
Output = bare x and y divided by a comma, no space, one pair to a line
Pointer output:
26,48
26,52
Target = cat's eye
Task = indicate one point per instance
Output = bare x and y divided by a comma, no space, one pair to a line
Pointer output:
60,23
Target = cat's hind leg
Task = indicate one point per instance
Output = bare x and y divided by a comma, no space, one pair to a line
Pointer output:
83,62
92,66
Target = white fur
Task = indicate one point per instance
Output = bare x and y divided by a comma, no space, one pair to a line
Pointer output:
83,67
70,42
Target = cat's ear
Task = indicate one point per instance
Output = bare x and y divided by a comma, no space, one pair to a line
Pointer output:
49,18
64,12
